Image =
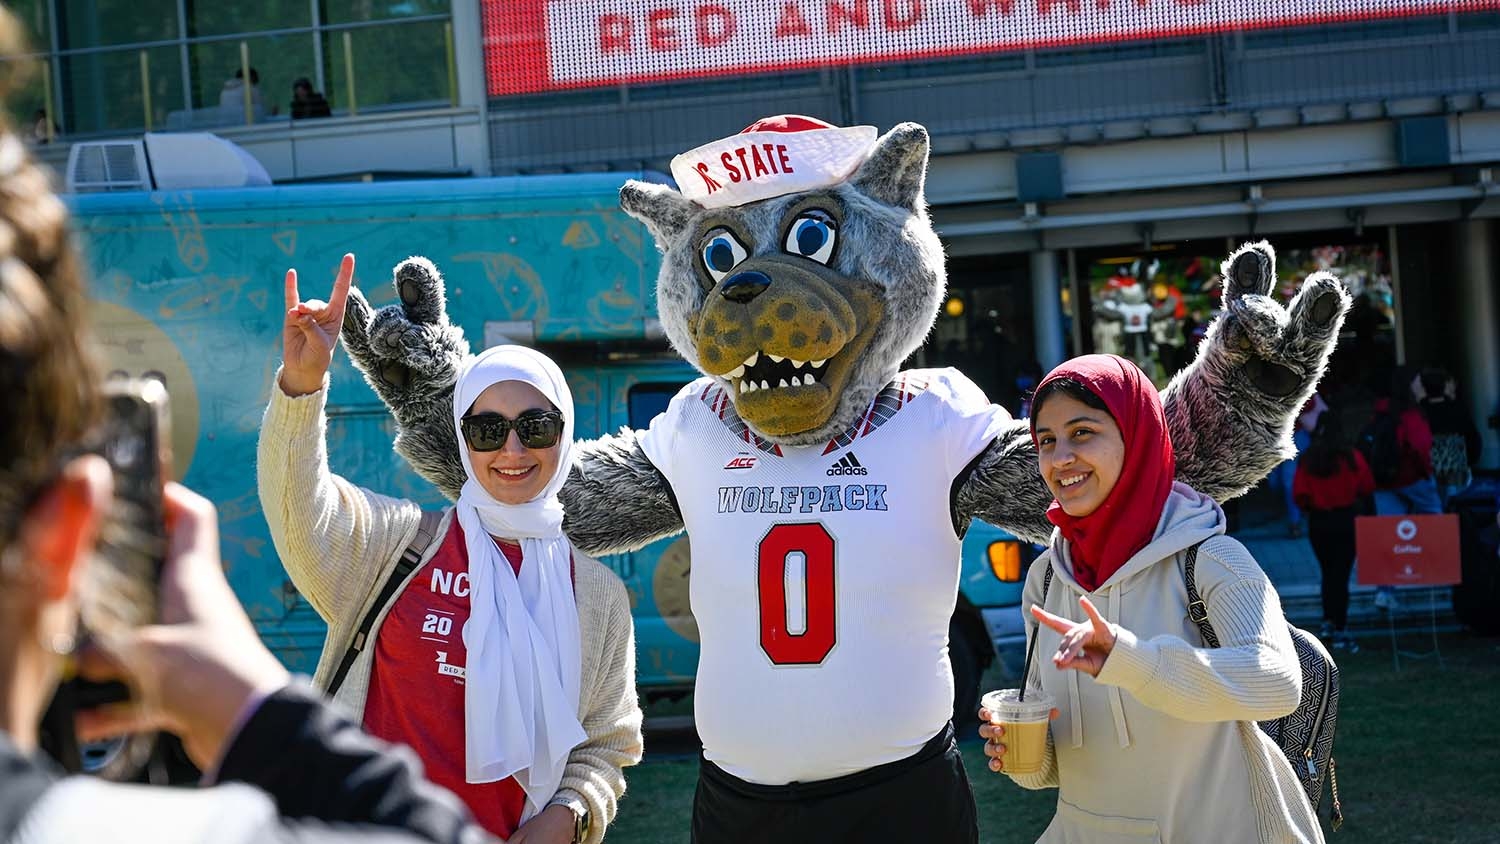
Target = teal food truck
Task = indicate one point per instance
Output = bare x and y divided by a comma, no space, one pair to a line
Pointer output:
189,290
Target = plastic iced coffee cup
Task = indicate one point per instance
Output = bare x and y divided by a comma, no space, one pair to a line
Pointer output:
1025,723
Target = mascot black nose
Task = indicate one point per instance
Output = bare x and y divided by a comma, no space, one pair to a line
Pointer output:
742,287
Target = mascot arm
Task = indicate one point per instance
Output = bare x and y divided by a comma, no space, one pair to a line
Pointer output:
410,355
1003,488
615,498
1230,412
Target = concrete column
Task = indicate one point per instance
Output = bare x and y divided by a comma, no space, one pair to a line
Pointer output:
1481,328
473,140
1046,309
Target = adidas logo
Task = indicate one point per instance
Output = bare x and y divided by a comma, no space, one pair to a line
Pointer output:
848,465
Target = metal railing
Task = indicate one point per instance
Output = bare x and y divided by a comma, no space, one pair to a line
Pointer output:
51,72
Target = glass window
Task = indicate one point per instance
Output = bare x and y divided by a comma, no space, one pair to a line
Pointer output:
648,400
359,11
104,23
275,62
561,99
938,67
420,77
726,87
1478,21
1104,54
36,17
216,17
26,99
103,92
1337,33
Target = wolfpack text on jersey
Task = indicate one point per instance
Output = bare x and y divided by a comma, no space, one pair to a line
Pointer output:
823,576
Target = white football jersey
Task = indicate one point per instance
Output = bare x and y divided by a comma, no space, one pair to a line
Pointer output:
823,577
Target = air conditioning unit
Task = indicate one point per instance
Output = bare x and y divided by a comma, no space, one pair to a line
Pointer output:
162,161
96,166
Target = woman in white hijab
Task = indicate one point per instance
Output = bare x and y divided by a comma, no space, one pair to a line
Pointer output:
478,636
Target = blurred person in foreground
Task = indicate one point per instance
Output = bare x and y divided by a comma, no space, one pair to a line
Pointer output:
289,768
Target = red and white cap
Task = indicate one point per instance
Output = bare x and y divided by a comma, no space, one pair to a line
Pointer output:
774,156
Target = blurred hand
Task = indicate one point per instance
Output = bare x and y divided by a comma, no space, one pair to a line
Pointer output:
553,825
1085,645
311,331
992,733
193,673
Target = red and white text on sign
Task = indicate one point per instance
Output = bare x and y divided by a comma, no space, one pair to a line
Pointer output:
540,45
1407,550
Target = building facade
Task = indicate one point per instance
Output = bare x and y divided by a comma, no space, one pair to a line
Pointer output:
1092,162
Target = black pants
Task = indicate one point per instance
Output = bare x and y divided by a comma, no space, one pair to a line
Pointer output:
1331,533
924,798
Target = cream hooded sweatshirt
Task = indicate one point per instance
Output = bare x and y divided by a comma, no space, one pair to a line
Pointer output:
1163,746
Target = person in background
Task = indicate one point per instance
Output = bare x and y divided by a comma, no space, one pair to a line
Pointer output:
1333,485
43,129
1155,736
1404,481
306,102
288,768
505,658
232,98
1456,444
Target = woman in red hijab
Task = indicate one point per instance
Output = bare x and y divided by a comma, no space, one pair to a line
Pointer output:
1154,736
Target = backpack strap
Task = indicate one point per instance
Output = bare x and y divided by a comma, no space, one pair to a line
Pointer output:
1197,610
410,559
1031,646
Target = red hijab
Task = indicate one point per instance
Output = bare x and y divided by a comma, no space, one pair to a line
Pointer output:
1105,539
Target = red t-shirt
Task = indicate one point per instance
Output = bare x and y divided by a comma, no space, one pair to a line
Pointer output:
417,681
1344,488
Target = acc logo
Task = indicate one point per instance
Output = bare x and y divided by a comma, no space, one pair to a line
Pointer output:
1406,530
742,460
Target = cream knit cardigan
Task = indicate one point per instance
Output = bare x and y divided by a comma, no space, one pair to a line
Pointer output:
1163,746
341,542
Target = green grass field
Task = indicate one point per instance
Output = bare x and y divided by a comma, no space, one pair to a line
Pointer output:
1418,759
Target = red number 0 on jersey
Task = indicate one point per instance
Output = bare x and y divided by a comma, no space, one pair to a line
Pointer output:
813,542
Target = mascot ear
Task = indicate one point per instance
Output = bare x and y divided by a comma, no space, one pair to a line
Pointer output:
896,171
664,211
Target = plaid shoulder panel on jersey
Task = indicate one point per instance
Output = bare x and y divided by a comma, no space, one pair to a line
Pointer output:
884,406
717,399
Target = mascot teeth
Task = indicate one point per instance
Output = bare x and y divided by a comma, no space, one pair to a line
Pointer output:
760,372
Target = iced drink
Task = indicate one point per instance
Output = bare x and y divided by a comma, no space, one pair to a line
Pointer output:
1025,723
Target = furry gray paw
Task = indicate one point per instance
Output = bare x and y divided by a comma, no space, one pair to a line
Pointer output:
1250,271
1279,351
410,354
408,350
420,287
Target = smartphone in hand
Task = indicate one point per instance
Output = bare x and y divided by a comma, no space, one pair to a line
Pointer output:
134,438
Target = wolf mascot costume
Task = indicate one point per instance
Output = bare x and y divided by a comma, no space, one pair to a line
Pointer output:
800,269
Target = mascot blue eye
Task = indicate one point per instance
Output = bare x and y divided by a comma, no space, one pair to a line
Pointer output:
721,253
812,235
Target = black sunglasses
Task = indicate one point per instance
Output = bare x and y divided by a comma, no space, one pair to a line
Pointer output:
535,429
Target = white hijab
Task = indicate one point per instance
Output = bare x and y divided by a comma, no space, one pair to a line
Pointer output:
521,691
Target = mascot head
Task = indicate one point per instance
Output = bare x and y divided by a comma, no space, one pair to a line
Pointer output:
799,267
